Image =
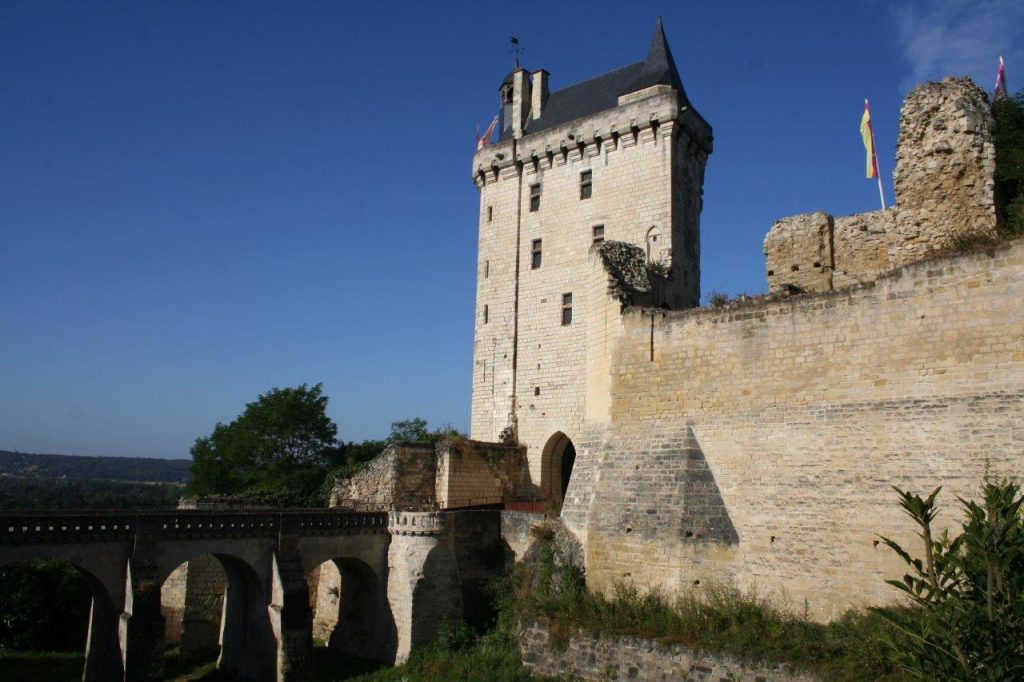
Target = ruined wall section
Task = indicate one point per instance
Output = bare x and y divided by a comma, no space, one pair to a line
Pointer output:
945,167
401,477
470,473
451,473
944,180
758,444
861,247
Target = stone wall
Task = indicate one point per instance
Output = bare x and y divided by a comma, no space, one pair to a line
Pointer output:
452,473
401,477
944,181
757,443
945,167
590,657
470,473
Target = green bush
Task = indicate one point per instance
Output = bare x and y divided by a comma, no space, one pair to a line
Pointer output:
1009,143
969,590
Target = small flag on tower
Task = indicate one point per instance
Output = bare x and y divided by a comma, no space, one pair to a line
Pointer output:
869,142
868,135
1000,92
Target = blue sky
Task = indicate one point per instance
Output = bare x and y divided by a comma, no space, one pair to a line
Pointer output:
203,200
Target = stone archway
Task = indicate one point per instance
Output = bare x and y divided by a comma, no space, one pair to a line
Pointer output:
558,459
349,604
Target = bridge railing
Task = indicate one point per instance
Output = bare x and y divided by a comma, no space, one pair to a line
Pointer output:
58,527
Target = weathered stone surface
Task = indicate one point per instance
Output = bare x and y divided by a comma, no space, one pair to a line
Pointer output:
944,180
589,657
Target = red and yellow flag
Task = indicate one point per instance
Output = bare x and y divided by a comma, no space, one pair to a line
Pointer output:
868,135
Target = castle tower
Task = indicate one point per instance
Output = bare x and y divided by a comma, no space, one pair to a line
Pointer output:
619,157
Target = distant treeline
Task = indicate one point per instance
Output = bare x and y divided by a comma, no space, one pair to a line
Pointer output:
38,494
141,469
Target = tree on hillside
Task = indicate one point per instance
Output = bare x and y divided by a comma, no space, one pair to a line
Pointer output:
278,448
1009,142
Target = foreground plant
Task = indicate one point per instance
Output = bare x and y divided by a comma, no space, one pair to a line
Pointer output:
969,590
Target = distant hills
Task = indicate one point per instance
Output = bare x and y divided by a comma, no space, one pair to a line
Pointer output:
130,469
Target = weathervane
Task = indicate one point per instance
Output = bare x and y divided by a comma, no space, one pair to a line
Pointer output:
517,49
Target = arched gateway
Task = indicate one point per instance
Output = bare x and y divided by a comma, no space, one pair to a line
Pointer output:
558,459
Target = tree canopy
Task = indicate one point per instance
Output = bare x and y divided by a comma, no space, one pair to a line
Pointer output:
279,447
1009,142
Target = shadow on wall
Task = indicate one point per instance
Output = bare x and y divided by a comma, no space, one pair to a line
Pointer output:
437,597
659,486
352,614
703,506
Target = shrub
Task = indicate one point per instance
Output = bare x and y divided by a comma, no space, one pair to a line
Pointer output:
969,590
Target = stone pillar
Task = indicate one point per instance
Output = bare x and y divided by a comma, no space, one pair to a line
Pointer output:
142,623
424,588
290,615
103,659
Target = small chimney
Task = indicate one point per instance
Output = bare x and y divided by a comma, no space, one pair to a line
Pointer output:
540,92
520,101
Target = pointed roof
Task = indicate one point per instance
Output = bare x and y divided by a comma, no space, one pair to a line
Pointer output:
659,68
601,93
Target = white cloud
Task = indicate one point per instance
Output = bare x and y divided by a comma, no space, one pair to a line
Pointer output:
961,38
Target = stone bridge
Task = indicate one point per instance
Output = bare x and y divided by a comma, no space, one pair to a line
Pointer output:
408,581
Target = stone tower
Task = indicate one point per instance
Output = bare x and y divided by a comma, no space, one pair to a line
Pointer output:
619,157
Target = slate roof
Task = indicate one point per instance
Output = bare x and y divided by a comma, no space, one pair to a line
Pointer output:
602,93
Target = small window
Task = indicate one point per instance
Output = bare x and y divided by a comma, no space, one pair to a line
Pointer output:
534,198
598,234
487,269
535,254
487,314
586,184
536,390
490,213
566,309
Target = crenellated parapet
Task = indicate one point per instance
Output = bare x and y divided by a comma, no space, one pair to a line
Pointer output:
415,523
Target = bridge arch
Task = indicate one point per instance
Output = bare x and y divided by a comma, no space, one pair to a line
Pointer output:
557,462
226,606
103,654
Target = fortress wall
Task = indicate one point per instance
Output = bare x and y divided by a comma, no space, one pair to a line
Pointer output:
761,442
861,244
472,473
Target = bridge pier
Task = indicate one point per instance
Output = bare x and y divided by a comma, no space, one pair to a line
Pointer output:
291,615
424,588
142,623
103,659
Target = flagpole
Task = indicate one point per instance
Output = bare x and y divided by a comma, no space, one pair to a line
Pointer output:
874,157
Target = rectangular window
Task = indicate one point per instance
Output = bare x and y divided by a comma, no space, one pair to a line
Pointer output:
490,213
566,309
487,269
586,184
534,198
487,314
598,234
535,255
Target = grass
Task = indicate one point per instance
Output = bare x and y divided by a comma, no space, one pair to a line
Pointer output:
41,666
718,619
460,654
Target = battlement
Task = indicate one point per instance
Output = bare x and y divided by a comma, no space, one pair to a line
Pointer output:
642,118
944,180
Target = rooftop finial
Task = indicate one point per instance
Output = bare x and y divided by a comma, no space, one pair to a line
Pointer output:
517,49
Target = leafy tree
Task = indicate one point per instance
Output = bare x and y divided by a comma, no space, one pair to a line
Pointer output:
968,590
279,448
1009,142
44,605
415,431
409,431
